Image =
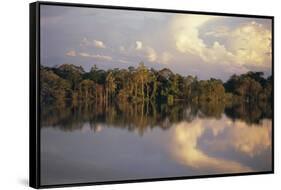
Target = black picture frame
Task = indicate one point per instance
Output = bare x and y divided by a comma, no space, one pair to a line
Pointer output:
34,93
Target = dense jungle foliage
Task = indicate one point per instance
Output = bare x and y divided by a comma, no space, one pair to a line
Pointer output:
70,83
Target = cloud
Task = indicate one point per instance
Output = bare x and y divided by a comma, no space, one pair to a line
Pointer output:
102,57
99,44
123,61
246,44
145,51
186,33
251,44
251,145
92,43
188,153
138,45
220,31
151,54
96,56
148,52
71,53
165,58
84,54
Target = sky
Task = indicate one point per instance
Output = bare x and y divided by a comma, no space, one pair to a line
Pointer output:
189,44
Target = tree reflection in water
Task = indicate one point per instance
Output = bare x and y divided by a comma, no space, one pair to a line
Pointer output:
141,117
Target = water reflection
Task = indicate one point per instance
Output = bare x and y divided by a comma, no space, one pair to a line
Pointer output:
219,136
141,117
92,142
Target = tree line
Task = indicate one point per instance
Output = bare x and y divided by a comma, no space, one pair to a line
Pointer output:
70,83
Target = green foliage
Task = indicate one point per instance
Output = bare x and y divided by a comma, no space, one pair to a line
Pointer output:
53,87
133,85
250,87
71,73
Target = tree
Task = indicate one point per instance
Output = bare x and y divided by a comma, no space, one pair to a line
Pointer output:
110,86
87,89
187,87
249,87
134,85
141,77
71,73
53,88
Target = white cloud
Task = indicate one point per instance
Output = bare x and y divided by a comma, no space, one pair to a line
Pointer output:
162,57
186,33
247,44
102,57
186,139
151,54
99,44
71,53
96,56
251,44
84,54
138,45
235,136
92,43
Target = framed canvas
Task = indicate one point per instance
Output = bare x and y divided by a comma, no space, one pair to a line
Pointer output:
126,94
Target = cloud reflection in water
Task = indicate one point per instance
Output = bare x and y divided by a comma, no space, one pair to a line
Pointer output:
219,136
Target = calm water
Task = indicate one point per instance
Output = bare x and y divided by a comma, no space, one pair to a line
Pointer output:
91,143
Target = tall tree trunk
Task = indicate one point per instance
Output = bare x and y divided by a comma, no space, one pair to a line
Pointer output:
136,90
142,89
147,91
